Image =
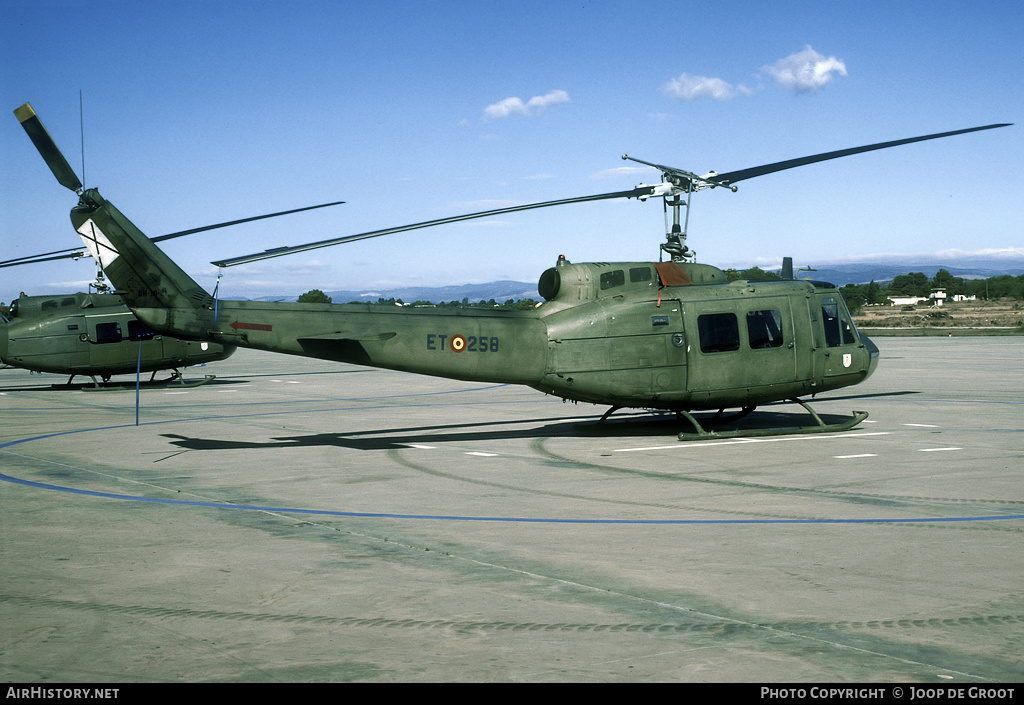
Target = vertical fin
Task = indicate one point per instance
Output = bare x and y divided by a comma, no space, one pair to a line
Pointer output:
141,273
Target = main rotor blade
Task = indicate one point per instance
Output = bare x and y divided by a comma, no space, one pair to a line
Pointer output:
638,192
171,236
734,176
47,148
78,252
72,253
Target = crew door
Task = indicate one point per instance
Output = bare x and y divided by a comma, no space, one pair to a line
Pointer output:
740,344
840,340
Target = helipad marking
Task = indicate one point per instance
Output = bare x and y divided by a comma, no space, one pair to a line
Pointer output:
449,517
859,455
922,425
710,443
485,455
934,450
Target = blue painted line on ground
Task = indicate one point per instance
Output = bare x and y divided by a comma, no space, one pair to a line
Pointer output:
517,520
264,403
448,517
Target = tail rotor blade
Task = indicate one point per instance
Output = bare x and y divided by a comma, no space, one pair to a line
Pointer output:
47,148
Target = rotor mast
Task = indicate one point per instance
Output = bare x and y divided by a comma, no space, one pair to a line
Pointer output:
676,182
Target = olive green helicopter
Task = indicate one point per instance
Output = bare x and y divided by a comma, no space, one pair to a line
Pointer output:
672,335
94,333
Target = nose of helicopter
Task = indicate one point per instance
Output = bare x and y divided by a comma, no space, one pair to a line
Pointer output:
872,354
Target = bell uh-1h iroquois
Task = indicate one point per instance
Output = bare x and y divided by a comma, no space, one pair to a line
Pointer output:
672,335
95,334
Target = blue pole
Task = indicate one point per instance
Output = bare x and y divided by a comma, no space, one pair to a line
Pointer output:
138,371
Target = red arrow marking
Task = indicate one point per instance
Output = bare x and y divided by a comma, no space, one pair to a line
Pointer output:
238,325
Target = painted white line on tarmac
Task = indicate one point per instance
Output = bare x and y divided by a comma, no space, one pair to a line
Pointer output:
707,444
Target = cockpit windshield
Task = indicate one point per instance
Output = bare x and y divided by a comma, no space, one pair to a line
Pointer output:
839,328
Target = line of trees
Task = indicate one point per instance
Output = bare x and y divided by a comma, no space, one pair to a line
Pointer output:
318,297
912,284
509,305
1004,286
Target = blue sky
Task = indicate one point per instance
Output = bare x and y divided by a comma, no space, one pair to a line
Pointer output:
198,112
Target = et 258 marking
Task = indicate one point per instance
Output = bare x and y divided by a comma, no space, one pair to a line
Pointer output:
460,343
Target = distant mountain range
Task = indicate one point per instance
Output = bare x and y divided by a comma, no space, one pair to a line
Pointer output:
500,291
866,272
840,274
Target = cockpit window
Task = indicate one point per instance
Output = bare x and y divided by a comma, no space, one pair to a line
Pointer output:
838,328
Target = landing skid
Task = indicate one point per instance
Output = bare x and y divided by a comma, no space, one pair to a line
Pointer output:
821,427
717,418
176,381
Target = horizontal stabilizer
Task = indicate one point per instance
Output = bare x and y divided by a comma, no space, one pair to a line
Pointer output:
343,336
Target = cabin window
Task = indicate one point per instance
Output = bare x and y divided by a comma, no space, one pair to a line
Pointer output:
108,332
764,329
640,274
49,305
719,332
838,329
138,331
614,278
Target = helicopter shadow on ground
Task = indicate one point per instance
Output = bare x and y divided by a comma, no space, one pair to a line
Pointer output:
872,395
628,425
396,438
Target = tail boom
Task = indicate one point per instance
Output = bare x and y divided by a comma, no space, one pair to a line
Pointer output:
470,344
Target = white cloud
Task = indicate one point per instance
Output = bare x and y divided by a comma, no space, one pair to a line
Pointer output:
806,71
618,172
516,106
688,87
